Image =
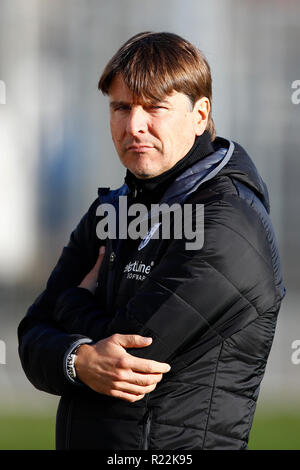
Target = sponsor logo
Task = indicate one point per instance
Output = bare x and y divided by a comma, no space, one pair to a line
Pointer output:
138,270
148,237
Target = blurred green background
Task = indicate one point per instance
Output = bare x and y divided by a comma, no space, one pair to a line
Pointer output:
272,430
56,150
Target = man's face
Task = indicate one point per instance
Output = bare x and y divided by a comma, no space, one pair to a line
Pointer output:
151,138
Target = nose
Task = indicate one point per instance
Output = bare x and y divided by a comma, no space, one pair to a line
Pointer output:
137,121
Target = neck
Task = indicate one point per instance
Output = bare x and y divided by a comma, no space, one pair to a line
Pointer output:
152,189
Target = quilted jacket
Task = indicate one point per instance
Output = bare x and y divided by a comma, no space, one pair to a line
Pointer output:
211,313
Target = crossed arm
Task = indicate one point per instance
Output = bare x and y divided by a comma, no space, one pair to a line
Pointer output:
177,302
107,368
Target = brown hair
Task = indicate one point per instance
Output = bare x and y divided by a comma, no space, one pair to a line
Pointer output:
155,64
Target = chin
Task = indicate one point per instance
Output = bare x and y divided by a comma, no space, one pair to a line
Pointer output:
142,172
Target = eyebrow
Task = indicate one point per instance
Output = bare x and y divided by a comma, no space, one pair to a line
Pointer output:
116,104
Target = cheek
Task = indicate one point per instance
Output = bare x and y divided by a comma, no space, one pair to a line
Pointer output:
163,134
116,130
177,139
170,137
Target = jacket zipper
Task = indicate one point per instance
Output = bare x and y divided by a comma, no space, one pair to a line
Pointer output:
146,429
112,259
110,281
113,276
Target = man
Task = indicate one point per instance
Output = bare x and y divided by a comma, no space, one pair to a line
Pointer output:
153,343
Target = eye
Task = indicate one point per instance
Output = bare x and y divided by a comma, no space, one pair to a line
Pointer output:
157,107
122,107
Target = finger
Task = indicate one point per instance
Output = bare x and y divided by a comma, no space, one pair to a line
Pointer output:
145,379
126,396
100,257
95,270
132,388
132,341
137,364
147,366
134,378
131,397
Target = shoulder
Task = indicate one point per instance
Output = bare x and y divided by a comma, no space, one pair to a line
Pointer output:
238,238
87,220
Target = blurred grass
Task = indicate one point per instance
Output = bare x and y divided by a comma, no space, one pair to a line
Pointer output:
32,432
275,430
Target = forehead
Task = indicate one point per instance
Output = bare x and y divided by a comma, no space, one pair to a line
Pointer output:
119,91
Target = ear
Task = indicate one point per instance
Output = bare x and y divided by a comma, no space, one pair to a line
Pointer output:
201,112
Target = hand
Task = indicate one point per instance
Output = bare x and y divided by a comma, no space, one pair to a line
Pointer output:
107,368
90,280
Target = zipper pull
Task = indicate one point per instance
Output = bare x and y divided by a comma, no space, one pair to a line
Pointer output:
112,258
146,429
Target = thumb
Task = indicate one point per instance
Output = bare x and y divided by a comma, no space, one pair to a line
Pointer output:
133,341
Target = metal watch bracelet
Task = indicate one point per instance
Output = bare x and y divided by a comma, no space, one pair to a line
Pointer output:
71,371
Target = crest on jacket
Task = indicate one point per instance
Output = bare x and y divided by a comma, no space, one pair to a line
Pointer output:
148,237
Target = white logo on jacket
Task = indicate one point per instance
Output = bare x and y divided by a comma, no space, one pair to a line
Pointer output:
138,270
148,236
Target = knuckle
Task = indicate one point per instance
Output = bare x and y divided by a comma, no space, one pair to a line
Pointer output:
119,375
144,382
114,337
152,380
123,362
132,340
115,385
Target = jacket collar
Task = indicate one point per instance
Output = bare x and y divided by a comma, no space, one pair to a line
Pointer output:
228,158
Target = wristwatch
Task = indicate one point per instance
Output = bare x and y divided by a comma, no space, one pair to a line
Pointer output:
71,371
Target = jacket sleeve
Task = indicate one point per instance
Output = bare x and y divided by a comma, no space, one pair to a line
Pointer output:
43,344
208,293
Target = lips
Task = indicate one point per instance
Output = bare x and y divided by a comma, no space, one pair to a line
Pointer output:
140,148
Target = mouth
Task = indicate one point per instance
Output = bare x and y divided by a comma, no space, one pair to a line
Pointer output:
139,148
